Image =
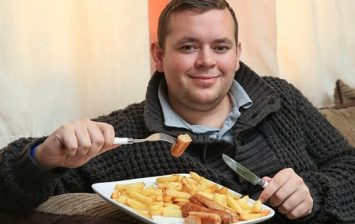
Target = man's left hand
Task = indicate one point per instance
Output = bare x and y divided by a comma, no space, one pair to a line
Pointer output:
288,193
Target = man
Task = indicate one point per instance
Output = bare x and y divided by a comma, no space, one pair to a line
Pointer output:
201,88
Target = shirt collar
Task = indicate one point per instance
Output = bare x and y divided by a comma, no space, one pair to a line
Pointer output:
239,98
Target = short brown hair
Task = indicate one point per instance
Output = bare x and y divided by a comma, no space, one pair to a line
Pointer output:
176,6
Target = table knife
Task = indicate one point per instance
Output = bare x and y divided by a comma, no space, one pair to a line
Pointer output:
244,172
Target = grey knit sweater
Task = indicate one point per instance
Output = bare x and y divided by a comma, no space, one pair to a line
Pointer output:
282,129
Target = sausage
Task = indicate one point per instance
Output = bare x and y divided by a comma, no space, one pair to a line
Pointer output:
193,219
227,215
182,142
224,216
206,218
188,207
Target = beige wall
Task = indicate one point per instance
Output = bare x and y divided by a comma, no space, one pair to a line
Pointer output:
308,43
62,60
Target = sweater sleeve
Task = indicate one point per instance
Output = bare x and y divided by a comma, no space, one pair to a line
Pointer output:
24,185
332,184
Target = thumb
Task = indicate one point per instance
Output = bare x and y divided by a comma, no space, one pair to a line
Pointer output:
267,179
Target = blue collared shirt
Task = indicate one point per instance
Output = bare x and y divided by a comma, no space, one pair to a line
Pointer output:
239,99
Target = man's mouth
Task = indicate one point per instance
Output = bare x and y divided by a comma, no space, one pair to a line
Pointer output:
204,80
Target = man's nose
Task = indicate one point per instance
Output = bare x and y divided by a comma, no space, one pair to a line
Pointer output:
205,58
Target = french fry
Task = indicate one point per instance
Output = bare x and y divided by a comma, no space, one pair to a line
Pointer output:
180,201
171,212
177,194
220,199
115,194
122,199
172,178
222,190
122,187
149,191
233,204
256,206
136,204
156,209
166,204
206,194
140,197
167,198
245,206
244,199
195,176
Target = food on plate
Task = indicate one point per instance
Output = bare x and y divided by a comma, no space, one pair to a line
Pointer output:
203,217
200,203
189,209
182,142
191,197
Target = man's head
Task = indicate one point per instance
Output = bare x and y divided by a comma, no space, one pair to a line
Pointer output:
198,54
176,6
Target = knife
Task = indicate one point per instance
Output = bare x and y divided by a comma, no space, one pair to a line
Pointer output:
244,172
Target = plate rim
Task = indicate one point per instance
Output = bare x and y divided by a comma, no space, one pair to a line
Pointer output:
96,188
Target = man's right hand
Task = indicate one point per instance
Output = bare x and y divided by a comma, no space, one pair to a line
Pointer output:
74,144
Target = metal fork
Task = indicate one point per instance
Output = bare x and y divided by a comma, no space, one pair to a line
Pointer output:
151,138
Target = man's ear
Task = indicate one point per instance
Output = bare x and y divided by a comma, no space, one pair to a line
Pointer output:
157,54
239,50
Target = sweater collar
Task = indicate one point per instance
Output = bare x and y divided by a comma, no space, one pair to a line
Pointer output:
265,101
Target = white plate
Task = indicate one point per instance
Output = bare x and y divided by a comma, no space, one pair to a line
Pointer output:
106,189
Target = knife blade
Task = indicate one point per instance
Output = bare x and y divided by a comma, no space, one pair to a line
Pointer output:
244,172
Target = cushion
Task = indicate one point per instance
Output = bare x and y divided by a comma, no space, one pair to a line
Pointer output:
84,204
342,119
344,95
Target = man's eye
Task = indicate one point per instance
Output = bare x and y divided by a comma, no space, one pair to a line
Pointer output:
221,49
187,48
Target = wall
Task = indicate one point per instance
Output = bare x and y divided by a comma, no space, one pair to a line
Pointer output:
62,60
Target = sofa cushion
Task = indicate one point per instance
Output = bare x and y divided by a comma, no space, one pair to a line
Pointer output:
344,95
84,204
342,119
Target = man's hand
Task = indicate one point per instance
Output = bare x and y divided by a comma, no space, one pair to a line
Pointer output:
288,193
74,144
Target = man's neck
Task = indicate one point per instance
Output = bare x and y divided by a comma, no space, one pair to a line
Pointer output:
214,117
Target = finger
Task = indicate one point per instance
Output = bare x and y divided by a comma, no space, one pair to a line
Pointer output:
108,133
294,186
267,179
291,202
83,138
282,194
303,209
274,185
97,139
67,140
300,208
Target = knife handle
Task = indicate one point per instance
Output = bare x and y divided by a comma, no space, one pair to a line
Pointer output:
122,141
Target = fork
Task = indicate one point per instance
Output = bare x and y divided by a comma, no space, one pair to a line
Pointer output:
151,138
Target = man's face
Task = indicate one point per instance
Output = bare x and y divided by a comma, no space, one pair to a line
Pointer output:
200,58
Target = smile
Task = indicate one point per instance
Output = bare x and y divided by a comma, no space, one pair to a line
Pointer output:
204,81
